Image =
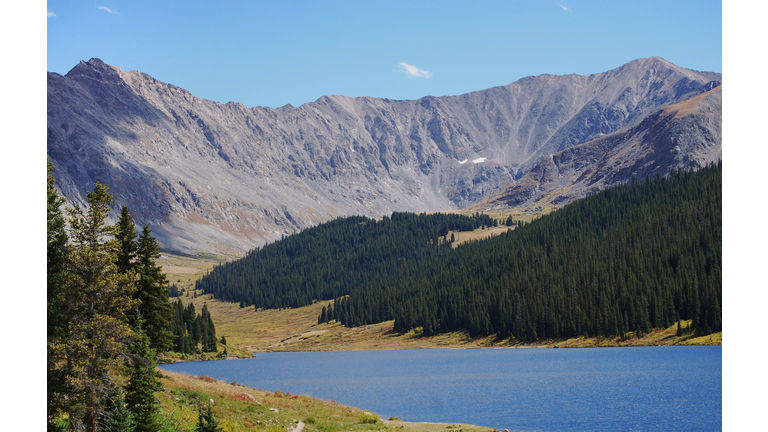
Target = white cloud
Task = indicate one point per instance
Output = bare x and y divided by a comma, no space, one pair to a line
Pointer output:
565,8
104,8
412,71
51,14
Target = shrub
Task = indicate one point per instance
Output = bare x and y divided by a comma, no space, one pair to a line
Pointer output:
206,378
367,417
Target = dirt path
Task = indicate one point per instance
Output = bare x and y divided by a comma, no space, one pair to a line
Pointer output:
298,428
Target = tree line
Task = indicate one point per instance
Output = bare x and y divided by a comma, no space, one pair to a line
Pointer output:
191,329
108,317
628,259
332,259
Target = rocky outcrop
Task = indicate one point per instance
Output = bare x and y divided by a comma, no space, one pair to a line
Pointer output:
681,136
224,178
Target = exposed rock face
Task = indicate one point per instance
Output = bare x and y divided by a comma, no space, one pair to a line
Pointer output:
224,178
681,136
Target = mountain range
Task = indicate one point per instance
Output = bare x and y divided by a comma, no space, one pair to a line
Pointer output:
224,178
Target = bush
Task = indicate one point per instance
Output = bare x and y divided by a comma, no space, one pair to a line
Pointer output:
366,417
206,379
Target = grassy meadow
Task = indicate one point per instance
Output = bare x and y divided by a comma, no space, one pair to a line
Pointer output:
239,408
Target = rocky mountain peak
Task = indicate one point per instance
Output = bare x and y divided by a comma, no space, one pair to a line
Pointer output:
224,178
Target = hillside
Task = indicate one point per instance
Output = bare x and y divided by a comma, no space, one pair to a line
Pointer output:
681,136
335,258
224,178
628,259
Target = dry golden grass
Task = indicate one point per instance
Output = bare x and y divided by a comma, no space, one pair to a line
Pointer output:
463,237
184,271
297,330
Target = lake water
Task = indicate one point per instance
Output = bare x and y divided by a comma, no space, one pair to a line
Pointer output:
648,388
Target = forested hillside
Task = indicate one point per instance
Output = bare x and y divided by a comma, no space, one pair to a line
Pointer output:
629,259
334,258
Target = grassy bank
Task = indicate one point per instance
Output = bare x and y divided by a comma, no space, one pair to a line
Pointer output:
240,408
250,331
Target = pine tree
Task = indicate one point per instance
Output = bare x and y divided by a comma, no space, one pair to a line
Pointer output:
94,300
206,422
57,249
126,236
117,417
155,307
323,316
142,385
212,335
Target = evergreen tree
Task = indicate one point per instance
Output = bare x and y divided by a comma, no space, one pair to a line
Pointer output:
155,307
142,384
117,417
94,300
56,330
206,422
126,236
212,334
323,316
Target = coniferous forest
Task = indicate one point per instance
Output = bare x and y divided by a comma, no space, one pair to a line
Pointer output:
334,258
628,259
108,317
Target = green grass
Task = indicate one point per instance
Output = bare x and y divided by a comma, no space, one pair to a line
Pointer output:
240,408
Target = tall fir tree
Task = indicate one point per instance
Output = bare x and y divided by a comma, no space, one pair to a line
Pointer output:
206,422
116,417
56,323
155,307
94,299
126,236
142,384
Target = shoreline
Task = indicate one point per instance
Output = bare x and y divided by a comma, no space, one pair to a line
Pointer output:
647,341
238,407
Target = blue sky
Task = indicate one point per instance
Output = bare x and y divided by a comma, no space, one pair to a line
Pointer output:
272,53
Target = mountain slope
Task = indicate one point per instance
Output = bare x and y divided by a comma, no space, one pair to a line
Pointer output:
224,178
681,136
630,258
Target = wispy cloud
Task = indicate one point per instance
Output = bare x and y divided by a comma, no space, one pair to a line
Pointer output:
51,14
104,8
412,71
565,8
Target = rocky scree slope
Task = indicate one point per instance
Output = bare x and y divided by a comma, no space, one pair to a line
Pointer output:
680,136
224,178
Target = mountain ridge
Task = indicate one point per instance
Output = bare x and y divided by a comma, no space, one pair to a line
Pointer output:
224,178
670,138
